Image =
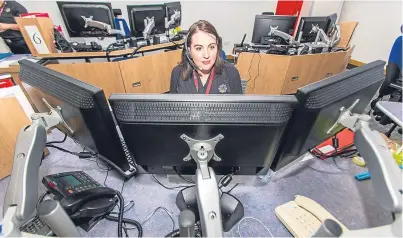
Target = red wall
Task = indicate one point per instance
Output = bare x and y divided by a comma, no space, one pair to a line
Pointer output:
289,7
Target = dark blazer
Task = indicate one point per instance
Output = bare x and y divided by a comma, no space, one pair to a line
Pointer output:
228,82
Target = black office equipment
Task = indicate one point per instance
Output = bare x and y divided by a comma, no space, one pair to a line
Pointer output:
83,47
137,14
263,22
84,200
65,184
170,8
319,107
73,12
332,22
252,126
84,108
305,27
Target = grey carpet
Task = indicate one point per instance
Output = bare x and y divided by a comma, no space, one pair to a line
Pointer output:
331,183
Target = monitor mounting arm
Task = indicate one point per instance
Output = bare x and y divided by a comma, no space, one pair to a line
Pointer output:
385,174
336,37
208,197
174,18
22,192
274,32
100,25
149,24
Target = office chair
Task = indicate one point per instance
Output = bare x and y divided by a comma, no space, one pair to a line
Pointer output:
120,23
392,86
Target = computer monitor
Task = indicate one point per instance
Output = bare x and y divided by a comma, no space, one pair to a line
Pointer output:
73,13
170,8
319,108
305,27
85,110
263,23
137,14
153,125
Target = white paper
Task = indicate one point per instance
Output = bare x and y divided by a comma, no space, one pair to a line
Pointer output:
327,149
16,92
37,39
6,63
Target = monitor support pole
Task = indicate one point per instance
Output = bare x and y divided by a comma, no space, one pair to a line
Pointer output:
385,174
22,192
208,197
149,24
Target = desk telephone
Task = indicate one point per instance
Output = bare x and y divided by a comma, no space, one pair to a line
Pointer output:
85,200
304,216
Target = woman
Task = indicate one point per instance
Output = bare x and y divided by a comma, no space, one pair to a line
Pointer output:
9,30
202,70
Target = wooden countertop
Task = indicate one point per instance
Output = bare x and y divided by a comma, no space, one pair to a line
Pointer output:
103,53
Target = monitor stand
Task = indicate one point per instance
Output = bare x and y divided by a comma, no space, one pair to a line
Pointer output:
210,206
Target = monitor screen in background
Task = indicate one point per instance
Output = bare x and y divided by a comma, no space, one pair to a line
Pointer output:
170,8
137,14
263,22
72,11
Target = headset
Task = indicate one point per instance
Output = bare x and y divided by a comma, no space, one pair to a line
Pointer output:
187,51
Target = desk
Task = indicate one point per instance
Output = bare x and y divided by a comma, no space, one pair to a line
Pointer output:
351,202
283,74
102,54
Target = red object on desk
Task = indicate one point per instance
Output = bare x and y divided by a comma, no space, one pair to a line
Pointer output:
6,83
35,14
345,138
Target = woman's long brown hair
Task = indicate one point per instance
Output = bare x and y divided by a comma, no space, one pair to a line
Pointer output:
207,27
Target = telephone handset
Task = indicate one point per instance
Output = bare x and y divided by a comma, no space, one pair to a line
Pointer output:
303,216
84,200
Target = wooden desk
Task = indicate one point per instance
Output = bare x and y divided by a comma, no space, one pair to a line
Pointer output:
102,54
149,74
281,74
105,75
12,120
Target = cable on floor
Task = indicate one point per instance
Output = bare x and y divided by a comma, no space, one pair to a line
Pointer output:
252,218
58,142
169,188
166,211
182,177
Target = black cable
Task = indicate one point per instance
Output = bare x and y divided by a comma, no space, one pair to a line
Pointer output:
61,149
136,49
128,221
40,199
258,71
156,180
106,177
229,191
121,211
108,49
182,177
123,185
58,142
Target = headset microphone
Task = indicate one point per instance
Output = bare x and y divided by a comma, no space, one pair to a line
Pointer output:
187,53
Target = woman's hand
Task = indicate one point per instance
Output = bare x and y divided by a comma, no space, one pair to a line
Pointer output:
5,27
